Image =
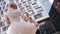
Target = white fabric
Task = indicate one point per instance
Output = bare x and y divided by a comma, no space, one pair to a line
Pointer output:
18,26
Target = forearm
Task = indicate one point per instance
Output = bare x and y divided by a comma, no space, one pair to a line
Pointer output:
32,21
7,21
28,19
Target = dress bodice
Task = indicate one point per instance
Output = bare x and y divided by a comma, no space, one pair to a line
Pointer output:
13,16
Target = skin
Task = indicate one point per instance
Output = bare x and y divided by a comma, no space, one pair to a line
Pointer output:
28,19
7,21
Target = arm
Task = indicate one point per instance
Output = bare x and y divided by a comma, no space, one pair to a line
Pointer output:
32,21
7,20
28,19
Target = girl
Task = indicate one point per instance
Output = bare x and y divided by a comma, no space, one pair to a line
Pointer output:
17,26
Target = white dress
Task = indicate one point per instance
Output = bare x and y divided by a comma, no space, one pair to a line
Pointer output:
18,26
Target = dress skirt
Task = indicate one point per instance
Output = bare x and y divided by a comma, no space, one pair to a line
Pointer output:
22,27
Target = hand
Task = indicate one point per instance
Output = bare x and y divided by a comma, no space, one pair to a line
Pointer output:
27,18
31,20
